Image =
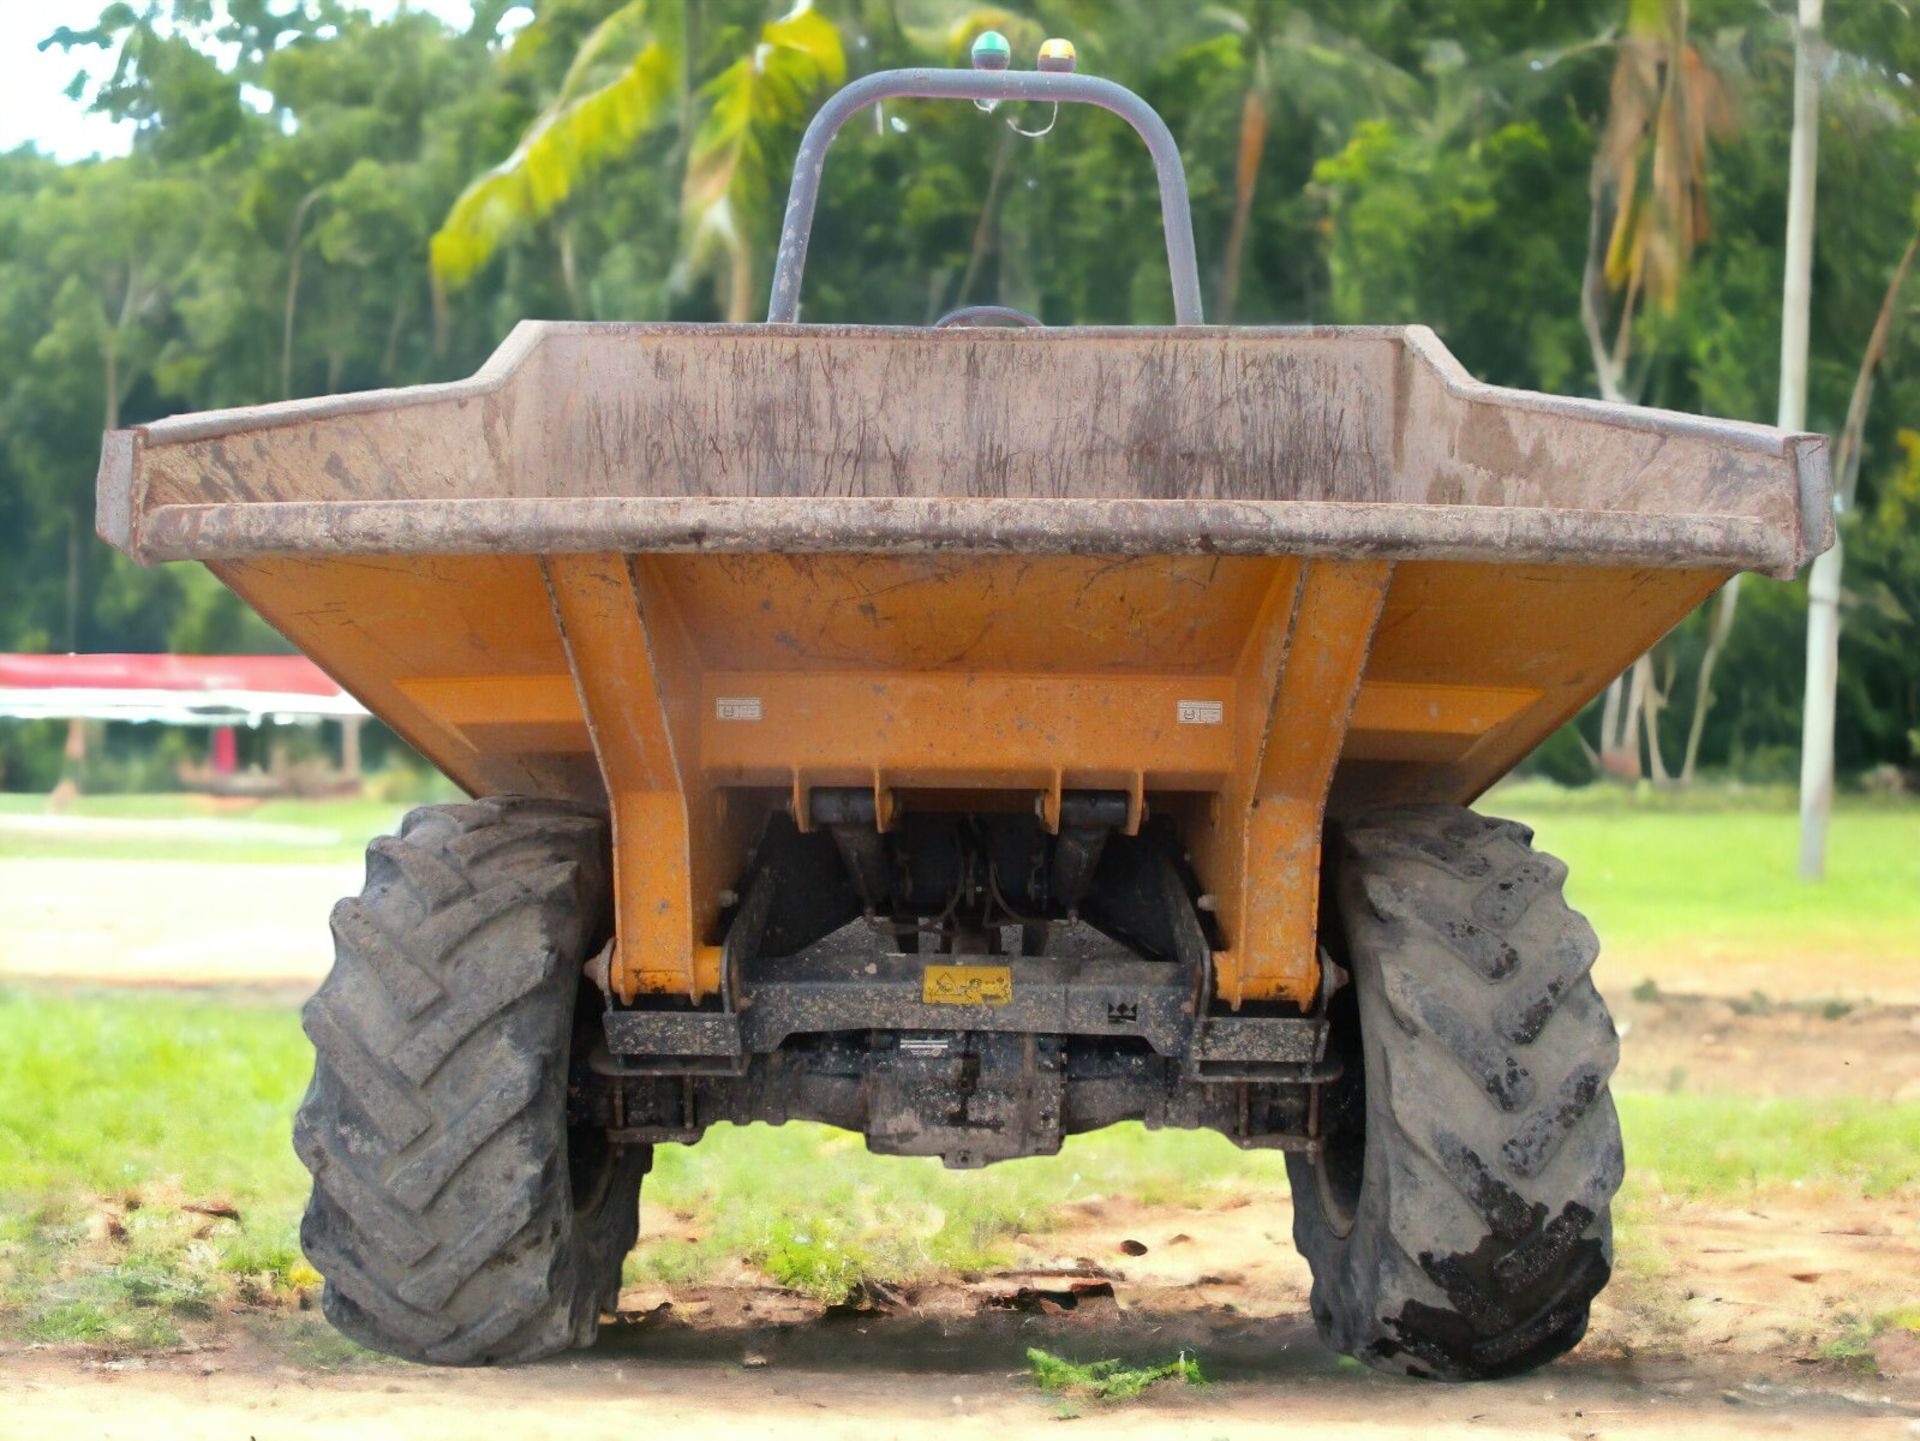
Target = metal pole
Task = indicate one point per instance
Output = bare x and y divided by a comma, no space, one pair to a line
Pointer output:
1823,587
784,305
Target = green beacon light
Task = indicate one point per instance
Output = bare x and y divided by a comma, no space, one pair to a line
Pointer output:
991,51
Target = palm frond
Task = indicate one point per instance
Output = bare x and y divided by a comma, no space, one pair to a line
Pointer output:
726,186
1651,165
587,125
611,45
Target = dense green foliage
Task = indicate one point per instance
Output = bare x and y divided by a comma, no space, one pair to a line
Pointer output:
1419,160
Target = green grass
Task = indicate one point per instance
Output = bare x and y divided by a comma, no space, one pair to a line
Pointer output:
1106,1380
199,851
119,1109
856,1216
1710,871
340,814
117,1112
1643,1282
104,1091
842,1215
1704,873
1712,874
1854,1346
1724,1146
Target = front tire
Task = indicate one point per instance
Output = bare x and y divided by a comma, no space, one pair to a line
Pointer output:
1457,1219
457,1216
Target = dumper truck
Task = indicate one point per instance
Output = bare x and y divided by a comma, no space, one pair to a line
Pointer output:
969,736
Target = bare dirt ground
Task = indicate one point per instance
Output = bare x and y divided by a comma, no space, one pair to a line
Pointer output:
1722,1345
1726,1333
878,1391
1788,1048
1713,967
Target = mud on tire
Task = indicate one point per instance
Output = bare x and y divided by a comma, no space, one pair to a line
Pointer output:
455,1215
1463,1231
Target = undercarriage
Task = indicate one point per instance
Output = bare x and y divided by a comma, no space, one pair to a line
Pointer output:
968,986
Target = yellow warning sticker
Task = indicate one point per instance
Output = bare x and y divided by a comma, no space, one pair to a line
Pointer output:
967,985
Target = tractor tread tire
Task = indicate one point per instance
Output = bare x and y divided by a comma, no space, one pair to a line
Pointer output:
443,1215
1480,1230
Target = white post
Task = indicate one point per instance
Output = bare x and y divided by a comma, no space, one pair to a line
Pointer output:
1823,589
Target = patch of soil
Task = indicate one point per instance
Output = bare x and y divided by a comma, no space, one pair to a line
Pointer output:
1777,1281
1757,1047
1736,1352
1715,966
1720,1321
1745,1299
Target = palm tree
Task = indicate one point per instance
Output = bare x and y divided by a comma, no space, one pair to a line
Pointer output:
633,75
1648,215
1649,184
1281,57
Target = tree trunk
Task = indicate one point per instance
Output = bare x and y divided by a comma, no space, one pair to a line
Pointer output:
1823,597
1609,723
1846,461
1823,588
1723,611
1246,175
390,355
1621,382
1630,718
130,303
73,766
73,581
1653,699
1620,737
110,363
1619,748
294,252
1846,478
570,271
286,324
987,225
740,292
1608,371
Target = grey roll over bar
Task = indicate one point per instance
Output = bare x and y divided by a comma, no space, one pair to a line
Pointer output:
797,229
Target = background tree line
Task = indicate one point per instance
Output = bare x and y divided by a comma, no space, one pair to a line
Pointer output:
1583,196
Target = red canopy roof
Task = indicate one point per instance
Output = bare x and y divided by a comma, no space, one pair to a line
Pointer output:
214,690
276,674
